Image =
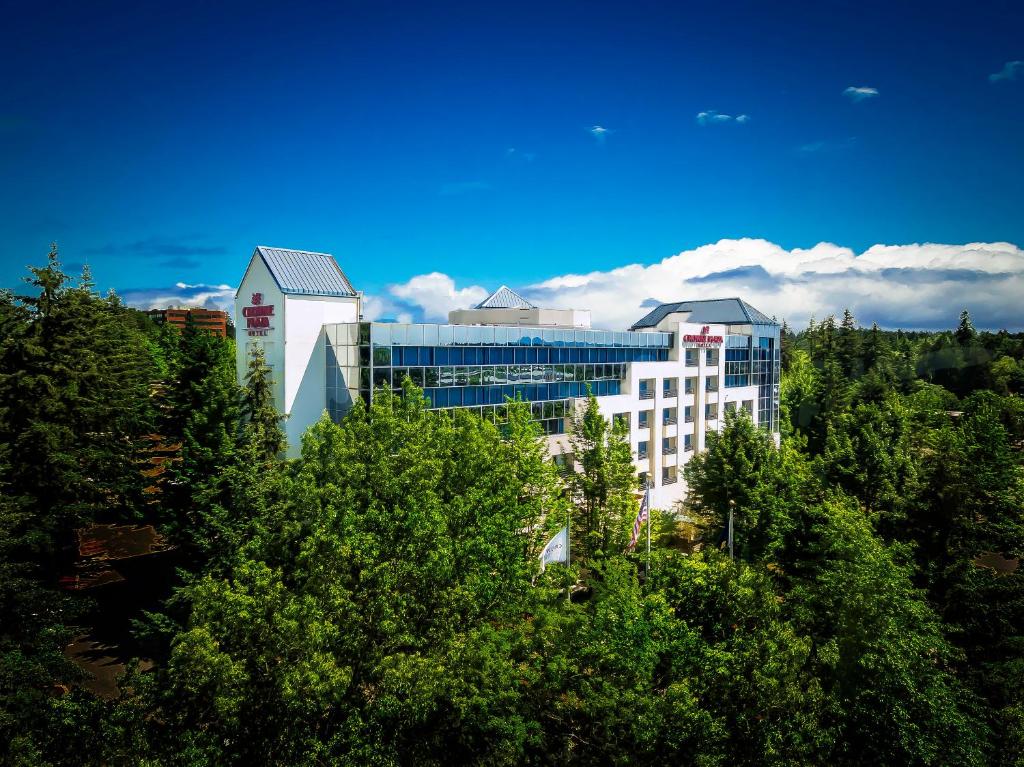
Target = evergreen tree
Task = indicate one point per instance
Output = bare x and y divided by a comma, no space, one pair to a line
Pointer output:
74,404
875,348
204,415
965,332
849,346
726,473
261,418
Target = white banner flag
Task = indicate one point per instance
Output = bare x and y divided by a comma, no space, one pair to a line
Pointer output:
556,550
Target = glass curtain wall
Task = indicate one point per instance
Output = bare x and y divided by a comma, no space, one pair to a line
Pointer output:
479,366
342,368
766,375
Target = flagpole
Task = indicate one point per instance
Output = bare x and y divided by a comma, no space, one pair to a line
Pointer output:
568,564
649,519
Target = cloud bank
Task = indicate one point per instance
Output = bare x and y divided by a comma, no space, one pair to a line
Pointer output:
181,294
916,286
908,286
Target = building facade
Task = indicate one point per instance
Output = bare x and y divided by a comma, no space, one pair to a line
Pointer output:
670,377
214,320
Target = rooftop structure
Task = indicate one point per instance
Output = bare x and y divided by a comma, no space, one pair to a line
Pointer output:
303,272
505,307
504,298
724,311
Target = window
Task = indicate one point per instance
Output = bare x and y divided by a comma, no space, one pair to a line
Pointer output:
645,418
622,418
692,357
711,383
711,411
711,357
647,388
730,407
748,406
641,449
668,446
670,387
688,414
668,475
643,478
687,443
669,416
691,385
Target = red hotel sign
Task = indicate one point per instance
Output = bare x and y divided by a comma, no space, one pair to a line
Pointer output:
257,316
703,339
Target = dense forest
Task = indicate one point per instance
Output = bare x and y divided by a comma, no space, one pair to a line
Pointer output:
378,600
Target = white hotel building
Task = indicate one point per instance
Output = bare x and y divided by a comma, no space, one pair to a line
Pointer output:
671,375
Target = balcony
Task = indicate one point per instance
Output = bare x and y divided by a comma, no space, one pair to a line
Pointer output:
646,394
641,455
671,421
668,451
668,393
669,480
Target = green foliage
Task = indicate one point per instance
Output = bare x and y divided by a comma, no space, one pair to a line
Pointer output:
378,601
261,417
604,489
879,651
74,405
726,474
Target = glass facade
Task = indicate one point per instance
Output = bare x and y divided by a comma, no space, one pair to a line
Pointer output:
737,367
765,370
479,366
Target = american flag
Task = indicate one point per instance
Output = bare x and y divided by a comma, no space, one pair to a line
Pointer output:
641,517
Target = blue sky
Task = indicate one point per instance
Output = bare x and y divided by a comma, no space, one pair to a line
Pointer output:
161,142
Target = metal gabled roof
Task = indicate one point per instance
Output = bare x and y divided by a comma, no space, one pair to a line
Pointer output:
303,272
504,298
715,311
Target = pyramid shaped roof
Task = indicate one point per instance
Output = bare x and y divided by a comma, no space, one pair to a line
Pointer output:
504,298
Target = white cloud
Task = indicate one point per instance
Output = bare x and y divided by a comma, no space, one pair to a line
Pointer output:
599,132
435,295
860,93
181,294
911,286
714,117
1010,71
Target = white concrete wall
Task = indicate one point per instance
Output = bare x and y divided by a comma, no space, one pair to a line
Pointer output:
666,496
541,318
294,346
258,279
305,358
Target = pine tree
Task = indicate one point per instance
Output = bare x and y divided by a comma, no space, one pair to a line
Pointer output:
261,418
849,346
875,349
204,416
965,332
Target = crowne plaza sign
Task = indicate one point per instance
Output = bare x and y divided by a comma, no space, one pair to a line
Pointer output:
257,316
703,339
